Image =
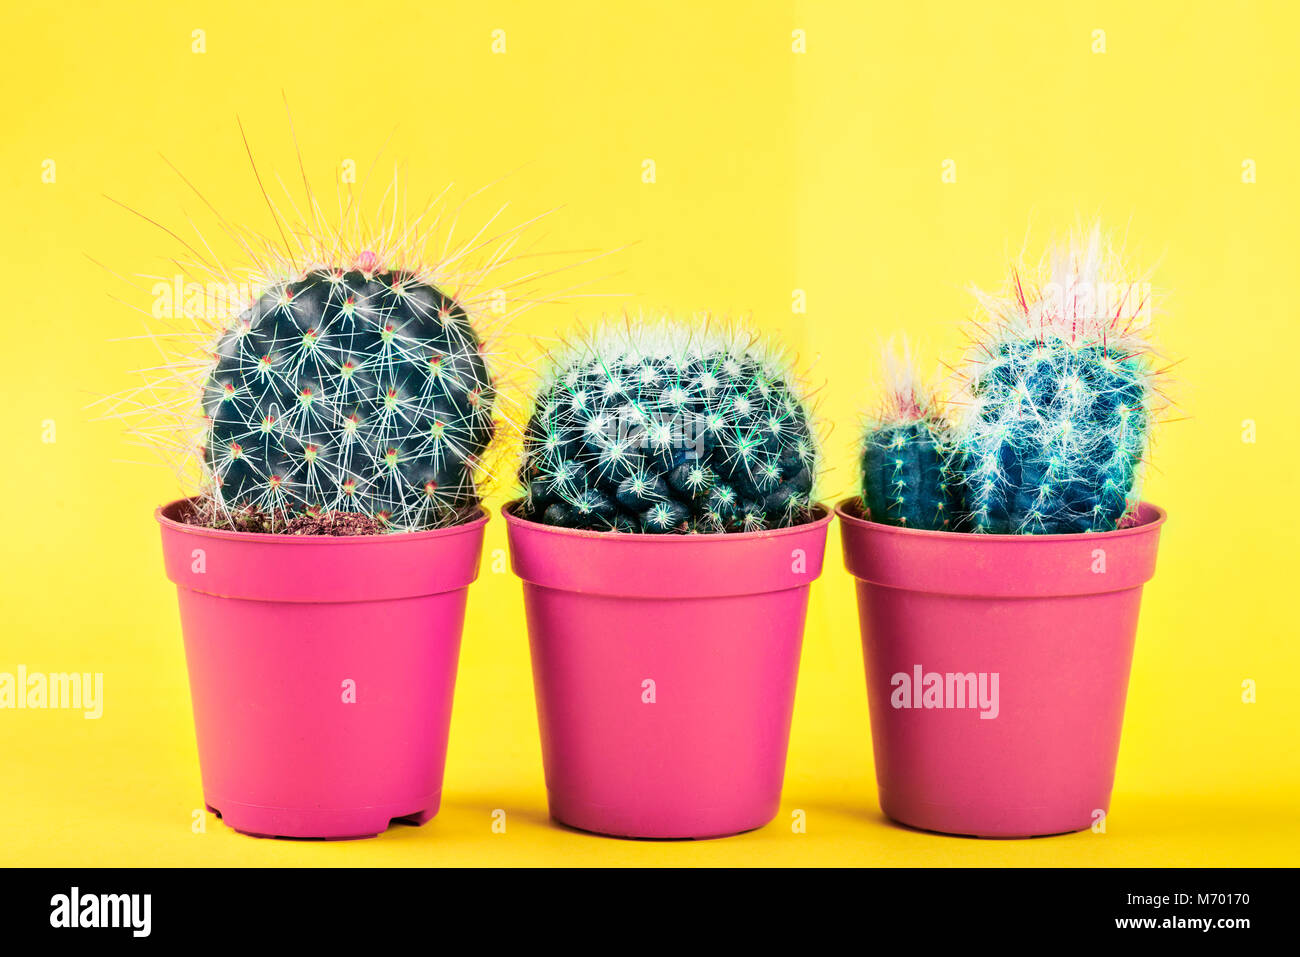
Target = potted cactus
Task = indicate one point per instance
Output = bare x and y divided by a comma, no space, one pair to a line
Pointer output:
666,537
340,419
1000,555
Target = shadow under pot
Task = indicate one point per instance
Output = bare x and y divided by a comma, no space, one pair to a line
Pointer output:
997,668
321,671
664,668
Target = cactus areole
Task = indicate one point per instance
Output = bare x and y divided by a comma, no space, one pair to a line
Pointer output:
352,390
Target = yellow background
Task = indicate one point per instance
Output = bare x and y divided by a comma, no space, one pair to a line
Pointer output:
776,171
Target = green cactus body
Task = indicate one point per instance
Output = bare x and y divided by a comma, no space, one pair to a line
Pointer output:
1056,438
1060,398
669,428
905,476
361,391
905,454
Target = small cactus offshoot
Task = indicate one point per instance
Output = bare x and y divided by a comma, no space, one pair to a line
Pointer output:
657,426
905,453
1060,397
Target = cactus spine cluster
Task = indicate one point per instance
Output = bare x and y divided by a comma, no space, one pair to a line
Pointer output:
905,454
1060,394
361,390
658,426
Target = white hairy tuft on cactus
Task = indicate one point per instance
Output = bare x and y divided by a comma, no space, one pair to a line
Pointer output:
907,395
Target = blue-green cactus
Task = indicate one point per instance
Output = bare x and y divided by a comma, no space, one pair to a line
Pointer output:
1061,397
657,426
360,390
1056,440
905,456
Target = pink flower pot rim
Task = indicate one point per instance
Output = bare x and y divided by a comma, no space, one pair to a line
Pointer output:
824,516
847,509
161,514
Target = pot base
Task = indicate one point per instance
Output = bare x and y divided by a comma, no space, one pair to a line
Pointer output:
674,823
986,823
325,824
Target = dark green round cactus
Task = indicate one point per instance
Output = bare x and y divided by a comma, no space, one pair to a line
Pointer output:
360,390
667,427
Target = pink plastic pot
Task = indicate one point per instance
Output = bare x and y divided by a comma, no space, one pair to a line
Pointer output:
321,671
664,668
1043,624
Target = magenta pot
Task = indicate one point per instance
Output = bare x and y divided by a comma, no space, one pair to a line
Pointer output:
321,671
664,668
997,667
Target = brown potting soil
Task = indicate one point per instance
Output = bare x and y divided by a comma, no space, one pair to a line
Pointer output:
279,522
